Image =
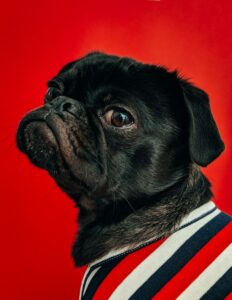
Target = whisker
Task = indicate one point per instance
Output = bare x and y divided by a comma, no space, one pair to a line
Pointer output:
130,204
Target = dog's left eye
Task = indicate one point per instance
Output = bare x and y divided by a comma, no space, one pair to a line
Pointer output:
118,117
52,93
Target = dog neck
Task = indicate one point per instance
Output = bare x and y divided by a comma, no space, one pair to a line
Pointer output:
100,232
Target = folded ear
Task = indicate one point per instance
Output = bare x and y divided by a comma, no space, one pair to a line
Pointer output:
205,143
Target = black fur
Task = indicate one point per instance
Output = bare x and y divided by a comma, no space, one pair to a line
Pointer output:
130,183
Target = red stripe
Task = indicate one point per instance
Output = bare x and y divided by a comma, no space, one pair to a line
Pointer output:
196,265
123,269
229,297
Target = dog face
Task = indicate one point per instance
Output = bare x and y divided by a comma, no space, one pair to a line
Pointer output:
113,128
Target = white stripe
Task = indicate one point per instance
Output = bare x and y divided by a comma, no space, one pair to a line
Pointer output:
210,276
198,212
156,259
88,280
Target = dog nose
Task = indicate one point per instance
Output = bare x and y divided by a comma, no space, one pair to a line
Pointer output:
65,104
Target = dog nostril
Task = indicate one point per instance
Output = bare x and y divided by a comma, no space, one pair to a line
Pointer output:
66,106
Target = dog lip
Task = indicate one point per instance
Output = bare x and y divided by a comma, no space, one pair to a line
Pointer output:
41,146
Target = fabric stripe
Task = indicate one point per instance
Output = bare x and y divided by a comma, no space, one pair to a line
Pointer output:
181,257
199,212
121,271
197,219
86,274
154,261
82,283
108,256
221,288
98,278
88,278
209,277
196,265
229,297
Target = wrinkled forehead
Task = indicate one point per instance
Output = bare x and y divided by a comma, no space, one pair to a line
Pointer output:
89,74
90,80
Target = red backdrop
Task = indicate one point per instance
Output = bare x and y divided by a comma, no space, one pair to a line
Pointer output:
38,222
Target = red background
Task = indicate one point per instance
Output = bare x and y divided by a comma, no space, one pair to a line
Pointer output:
38,222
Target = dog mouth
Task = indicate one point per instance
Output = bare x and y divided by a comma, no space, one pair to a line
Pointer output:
51,142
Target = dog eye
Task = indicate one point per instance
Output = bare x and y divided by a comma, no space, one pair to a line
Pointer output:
118,117
52,93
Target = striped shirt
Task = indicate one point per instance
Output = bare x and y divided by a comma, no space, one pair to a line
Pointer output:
195,262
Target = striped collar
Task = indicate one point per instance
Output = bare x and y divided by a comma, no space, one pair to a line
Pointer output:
194,262
197,214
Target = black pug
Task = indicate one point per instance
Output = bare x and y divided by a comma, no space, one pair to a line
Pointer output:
125,141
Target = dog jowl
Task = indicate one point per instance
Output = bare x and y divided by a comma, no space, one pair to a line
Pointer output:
125,140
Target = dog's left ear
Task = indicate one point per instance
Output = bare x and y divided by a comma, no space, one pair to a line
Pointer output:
205,143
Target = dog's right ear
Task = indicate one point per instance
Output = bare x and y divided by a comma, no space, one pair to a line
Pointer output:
205,143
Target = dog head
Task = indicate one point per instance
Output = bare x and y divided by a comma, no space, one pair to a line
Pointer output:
114,128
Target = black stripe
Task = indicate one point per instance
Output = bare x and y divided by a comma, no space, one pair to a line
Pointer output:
97,279
181,257
221,288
